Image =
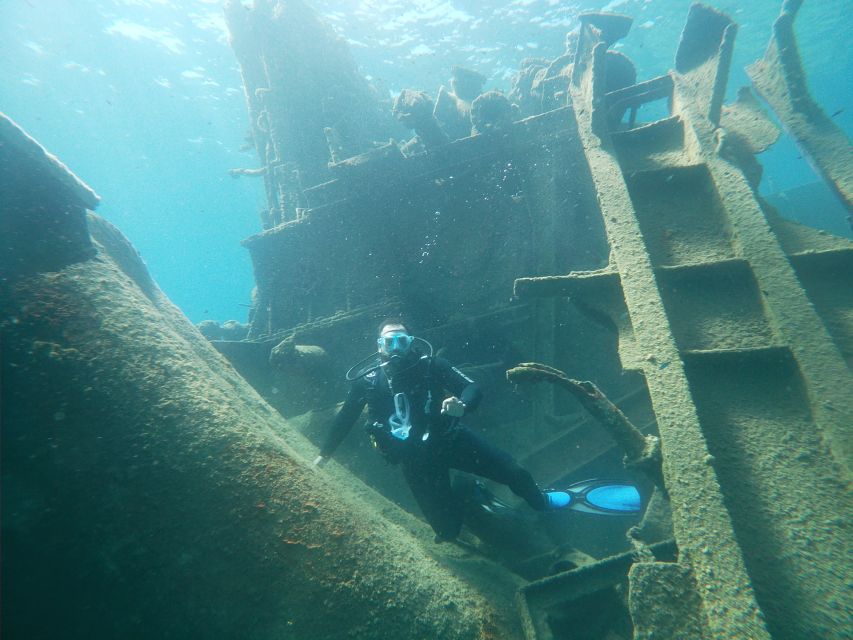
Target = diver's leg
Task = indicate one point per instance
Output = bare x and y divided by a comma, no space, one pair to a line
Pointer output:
469,452
429,481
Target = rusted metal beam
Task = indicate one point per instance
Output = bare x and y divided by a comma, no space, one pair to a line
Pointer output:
641,451
781,80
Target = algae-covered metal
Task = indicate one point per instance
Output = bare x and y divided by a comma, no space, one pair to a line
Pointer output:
148,491
780,78
636,253
749,385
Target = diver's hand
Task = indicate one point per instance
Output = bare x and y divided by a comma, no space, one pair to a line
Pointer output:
319,461
453,407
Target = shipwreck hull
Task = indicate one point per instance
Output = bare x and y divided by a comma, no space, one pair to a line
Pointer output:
148,491
641,257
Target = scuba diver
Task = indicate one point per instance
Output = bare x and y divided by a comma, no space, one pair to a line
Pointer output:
415,401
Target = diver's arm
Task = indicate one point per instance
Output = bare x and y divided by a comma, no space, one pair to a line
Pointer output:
471,396
460,385
346,417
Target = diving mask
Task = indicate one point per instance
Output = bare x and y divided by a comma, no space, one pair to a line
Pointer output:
396,343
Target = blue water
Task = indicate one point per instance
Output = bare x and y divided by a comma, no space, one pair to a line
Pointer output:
143,100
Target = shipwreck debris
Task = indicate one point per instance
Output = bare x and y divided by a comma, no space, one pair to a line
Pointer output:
641,451
638,252
781,80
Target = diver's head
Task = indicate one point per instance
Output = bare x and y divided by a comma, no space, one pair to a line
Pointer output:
395,341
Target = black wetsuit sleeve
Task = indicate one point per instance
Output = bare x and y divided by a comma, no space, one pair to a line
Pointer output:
353,405
458,384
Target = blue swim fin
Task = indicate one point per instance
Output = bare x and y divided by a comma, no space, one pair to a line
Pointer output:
603,497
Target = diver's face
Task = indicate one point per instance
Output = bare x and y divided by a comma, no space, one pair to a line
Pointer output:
394,341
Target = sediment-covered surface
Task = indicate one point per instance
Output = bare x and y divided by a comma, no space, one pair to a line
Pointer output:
149,492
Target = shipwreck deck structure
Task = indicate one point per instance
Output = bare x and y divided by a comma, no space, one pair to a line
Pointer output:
634,253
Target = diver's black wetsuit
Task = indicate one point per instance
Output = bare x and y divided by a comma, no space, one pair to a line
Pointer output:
448,445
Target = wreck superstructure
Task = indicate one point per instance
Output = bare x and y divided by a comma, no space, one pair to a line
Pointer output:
636,253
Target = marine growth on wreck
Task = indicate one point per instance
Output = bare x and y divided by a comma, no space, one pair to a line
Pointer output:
631,306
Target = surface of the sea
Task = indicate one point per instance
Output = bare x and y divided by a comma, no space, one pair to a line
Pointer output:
143,100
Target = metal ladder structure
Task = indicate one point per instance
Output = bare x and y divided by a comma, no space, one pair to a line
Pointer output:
741,325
